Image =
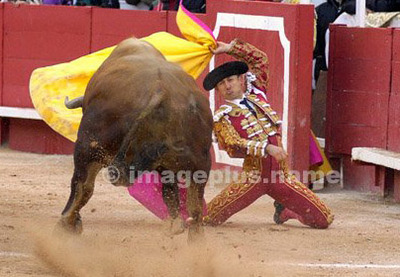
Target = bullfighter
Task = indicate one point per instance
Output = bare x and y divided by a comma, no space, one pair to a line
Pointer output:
247,127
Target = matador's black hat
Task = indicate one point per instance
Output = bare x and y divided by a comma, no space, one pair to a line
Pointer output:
223,71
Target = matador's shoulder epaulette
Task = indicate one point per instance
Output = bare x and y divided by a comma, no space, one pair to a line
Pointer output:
221,112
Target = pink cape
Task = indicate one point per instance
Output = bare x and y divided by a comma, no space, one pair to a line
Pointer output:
147,190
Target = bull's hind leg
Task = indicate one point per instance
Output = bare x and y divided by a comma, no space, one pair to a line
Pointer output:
82,187
170,194
195,207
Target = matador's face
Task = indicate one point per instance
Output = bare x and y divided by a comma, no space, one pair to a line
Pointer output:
232,87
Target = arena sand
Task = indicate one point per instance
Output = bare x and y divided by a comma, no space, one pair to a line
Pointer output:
121,238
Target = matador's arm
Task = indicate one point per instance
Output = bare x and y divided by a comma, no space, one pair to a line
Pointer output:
256,59
236,146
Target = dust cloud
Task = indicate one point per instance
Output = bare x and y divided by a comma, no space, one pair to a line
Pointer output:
99,256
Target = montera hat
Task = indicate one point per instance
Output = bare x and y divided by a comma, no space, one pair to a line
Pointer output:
223,71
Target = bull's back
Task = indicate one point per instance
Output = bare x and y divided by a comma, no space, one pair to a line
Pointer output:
127,83
122,72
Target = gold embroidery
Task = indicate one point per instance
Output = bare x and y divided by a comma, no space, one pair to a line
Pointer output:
228,196
236,146
298,186
244,123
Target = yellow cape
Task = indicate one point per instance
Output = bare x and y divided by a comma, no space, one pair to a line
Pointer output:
50,85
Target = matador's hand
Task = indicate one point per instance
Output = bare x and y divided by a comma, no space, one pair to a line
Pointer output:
222,47
277,152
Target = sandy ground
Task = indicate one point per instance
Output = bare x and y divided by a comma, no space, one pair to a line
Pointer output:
121,238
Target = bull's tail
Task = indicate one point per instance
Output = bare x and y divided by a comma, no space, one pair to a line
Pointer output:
73,103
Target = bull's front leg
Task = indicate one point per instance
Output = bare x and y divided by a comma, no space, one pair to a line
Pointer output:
195,208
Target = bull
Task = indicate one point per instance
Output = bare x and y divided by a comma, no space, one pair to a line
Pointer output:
141,113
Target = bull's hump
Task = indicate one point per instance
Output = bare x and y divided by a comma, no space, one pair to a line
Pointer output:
135,47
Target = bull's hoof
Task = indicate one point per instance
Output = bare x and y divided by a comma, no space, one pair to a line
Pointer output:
196,233
64,226
175,227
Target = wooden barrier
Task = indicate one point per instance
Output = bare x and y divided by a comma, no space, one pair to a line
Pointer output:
3,128
394,100
111,26
363,99
358,88
36,36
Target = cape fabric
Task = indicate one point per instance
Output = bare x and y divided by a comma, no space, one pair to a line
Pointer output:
50,85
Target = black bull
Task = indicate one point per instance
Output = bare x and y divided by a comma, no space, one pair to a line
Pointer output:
140,113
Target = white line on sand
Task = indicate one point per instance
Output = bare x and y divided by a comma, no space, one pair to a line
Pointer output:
377,266
12,254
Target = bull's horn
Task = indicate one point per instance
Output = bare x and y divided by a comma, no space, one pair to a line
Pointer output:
74,103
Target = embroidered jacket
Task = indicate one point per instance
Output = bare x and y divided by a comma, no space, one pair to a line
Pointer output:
238,131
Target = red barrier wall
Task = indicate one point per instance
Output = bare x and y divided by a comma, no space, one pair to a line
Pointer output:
36,136
362,98
394,101
2,127
359,87
1,54
121,24
36,36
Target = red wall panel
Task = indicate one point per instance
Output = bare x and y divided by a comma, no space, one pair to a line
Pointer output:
16,75
301,108
394,102
360,109
2,128
40,35
362,75
396,44
1,55
35,136
396,62
359,85
110,26
346,136
362,43
396,75
394,123
360,177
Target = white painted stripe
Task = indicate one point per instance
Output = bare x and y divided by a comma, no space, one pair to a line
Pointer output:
378,266
256,22
27,113
12,254
360,12
211,97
